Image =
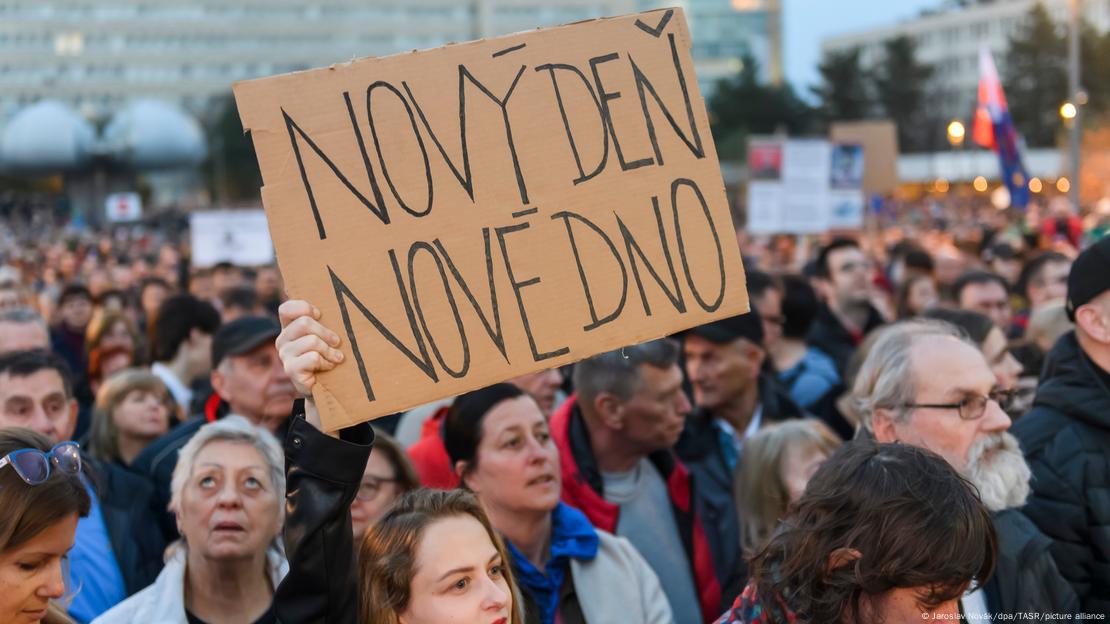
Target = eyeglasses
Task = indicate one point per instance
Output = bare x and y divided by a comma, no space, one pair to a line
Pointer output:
34,466
973,407
370,488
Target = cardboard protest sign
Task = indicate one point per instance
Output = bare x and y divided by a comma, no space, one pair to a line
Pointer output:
472,213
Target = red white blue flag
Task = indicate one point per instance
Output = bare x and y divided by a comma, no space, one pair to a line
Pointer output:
993,129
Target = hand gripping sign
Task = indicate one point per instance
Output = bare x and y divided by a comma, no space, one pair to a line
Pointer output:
472,213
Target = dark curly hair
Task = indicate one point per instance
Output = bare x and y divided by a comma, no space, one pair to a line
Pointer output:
876,517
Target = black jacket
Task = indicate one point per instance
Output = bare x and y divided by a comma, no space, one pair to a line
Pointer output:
699,449
1026,579
1066,439
829,335
126,503
322,478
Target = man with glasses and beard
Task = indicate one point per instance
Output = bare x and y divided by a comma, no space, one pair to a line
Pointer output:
925,384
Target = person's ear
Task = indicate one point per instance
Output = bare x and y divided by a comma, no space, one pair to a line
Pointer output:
1091,321
219,383
755,356
882,425
842,557
609,410
461,469
71,420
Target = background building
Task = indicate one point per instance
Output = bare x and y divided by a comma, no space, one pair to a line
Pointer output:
96,55
949,39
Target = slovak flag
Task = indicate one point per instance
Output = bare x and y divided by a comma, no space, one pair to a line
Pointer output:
993,129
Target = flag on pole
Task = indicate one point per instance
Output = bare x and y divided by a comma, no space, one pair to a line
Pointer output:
993,129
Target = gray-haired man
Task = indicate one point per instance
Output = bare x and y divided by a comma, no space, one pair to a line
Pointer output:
924,384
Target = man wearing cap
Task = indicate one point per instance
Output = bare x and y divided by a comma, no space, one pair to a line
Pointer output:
247,379
1066,436
733,398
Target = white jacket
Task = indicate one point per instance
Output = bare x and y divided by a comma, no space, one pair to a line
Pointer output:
163,602
618,585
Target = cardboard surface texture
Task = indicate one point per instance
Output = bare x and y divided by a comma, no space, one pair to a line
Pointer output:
476,212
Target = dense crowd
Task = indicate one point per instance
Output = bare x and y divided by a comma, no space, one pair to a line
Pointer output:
912,423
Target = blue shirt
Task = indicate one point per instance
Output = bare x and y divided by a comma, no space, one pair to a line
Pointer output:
95,577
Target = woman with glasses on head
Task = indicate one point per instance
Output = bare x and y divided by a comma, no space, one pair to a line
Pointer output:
42,497
388,476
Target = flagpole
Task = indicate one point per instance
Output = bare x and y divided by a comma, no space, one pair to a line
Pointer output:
1075,97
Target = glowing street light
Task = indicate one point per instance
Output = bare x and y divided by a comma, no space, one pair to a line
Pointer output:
1067,111
1063,185
1035,185
979,184
956,132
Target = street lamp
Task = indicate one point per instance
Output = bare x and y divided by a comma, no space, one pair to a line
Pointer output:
1067,111
956,132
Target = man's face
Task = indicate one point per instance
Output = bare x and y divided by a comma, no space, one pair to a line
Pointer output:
255,385
656,413
38,402
23,337
989,298
849,277
1050,285
769,306
542,386
946,370
720,373
76,312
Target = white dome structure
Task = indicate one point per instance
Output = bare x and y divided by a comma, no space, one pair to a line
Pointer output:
46,136
151,134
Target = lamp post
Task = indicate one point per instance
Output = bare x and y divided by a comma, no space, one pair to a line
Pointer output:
1075,100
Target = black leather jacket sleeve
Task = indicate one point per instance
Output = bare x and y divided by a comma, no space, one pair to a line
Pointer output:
322,477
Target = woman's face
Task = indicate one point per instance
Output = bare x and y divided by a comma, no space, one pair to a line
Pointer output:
230,508
118,336
375,495
142,414
460,577
31,575
922,295
518,464
1003,364
798,463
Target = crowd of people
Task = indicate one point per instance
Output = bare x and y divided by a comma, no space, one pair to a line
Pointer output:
913,423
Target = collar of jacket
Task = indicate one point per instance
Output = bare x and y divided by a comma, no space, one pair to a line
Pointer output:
699,436
1073,384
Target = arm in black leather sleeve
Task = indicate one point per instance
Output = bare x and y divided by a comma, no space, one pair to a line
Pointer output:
322,477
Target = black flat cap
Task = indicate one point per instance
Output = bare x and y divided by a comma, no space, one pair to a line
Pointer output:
748,326
1089,276
242,335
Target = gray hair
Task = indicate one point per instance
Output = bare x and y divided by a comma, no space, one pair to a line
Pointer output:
885,380
231,428
22,316
618,372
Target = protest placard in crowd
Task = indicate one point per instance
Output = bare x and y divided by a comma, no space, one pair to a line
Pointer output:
475,212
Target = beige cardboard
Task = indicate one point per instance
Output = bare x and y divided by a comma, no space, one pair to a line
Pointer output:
414,225
880,151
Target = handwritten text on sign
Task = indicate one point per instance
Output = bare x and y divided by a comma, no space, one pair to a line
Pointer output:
476,212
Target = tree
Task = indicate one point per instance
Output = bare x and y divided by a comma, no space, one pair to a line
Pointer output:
742,106
232,167
844,90
901,85
1035,77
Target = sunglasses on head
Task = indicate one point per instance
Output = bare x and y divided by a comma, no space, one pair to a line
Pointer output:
34,466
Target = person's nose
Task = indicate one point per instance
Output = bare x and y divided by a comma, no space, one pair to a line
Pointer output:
41,422
682,404
495,595
54,585
228,496
994,418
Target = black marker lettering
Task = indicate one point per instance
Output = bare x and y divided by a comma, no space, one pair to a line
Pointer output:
379,210
494,331
582,175
503,103
595,322
643,87
343,293
502,232
675,295
425,247
464,177
608,115
378,147
682,246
